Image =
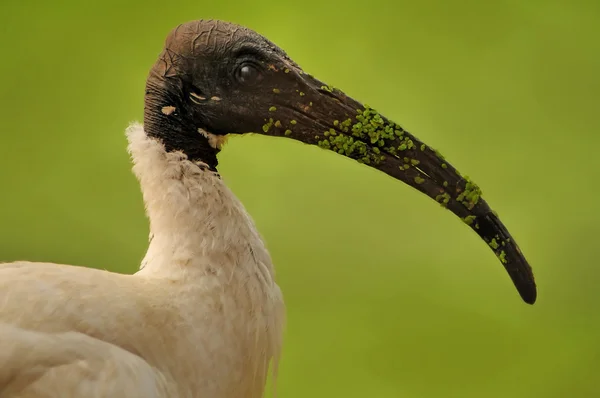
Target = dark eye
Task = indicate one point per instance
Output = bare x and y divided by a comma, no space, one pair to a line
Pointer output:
248,73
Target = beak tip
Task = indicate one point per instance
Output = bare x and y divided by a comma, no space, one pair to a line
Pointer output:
489,227
529,296
523,279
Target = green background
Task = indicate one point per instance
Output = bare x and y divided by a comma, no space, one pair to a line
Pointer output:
388,294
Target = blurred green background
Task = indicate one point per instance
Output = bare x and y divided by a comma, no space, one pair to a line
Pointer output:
388,294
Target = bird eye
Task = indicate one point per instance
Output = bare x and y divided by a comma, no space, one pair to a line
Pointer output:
247,73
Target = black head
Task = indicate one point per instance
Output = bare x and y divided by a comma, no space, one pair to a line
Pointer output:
215,78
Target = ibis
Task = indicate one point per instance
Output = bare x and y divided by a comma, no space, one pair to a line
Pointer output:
203,316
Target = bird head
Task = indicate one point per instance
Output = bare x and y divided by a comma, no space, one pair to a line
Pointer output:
215,78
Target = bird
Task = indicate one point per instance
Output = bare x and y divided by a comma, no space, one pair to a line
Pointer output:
204,316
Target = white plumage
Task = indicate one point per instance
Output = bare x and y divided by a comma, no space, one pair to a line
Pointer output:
202,318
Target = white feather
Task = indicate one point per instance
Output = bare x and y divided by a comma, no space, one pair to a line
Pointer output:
203,317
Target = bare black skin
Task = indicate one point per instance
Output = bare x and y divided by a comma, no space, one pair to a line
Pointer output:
226,79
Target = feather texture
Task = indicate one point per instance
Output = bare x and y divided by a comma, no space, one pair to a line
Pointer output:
203,317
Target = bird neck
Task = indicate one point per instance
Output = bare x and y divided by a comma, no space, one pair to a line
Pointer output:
194,217
200,234
166,120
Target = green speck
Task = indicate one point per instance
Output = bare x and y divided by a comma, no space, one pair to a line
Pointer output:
419,180
493,244
470,196
414,162
445,184
272,109
293,121
443,199
287,132
444,166
276,90
286,70
267,125
324,144
301,94
345,125
469,219
423,147
278,124
502,257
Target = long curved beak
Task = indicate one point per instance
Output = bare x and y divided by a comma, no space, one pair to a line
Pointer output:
324,116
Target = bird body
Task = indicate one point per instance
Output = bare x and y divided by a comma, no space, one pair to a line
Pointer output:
202,317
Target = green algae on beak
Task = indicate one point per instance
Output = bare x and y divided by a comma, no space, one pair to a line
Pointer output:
376,141
306,109
327,117
408,159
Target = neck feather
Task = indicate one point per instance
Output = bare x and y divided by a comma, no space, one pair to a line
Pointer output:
193,214
198,228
